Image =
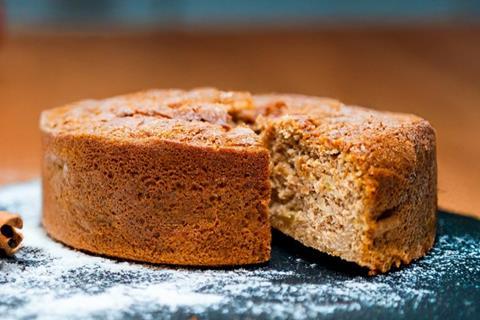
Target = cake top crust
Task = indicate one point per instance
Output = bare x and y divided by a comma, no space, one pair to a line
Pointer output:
200,116
210,117
360,130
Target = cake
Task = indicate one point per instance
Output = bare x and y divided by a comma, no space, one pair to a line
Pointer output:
157,176
196,177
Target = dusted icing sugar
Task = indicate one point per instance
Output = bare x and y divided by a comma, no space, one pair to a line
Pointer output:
47,280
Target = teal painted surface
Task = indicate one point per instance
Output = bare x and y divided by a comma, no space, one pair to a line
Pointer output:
235,12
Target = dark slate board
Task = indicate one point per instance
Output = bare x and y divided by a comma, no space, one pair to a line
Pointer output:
46,280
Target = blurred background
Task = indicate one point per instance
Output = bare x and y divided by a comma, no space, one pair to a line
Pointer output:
418,56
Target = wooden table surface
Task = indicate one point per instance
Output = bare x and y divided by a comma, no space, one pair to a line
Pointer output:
433,72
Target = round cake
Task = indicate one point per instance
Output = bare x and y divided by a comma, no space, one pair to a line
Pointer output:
196,177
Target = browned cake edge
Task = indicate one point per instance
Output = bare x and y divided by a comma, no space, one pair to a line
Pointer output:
401,198
158,202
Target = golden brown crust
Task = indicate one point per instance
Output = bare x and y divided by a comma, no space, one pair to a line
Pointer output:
401,198
199,117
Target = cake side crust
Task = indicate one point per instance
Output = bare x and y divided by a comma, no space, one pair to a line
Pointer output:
157,201
401,197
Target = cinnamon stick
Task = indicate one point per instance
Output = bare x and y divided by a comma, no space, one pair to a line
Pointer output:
10,236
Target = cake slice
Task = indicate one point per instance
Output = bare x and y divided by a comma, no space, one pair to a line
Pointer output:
348,181
161,176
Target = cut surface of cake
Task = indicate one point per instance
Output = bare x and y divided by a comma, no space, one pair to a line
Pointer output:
161,176
186,177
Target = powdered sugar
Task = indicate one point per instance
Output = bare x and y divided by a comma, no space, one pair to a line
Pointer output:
48,280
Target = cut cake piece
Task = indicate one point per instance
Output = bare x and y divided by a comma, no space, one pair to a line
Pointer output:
351,182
